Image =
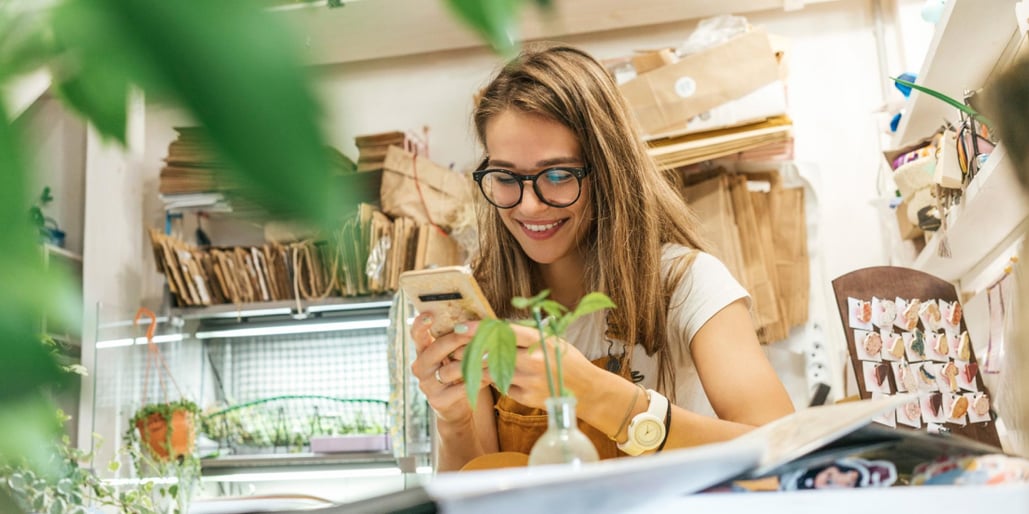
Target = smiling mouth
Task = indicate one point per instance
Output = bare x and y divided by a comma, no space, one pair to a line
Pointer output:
540,228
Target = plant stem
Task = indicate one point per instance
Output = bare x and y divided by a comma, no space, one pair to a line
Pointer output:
543,346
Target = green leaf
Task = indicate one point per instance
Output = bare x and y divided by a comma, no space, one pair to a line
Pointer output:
29,428
28,291
496,21
957,104
489,334
552,308
101,95
502,355
25,43
591,303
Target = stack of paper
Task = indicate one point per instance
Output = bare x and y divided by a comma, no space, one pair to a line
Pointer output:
692,148
372,148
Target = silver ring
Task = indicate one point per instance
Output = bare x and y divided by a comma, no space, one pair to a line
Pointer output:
439,378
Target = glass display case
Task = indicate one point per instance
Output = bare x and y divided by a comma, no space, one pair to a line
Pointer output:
313,399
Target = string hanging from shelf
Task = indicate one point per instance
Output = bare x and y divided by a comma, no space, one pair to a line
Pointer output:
154,359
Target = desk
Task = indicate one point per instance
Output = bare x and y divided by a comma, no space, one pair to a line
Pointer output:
1001,499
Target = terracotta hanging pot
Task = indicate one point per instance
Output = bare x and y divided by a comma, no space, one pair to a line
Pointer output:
153,433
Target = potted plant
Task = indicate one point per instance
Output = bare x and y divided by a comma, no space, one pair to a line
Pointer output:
47,227
161,436
70,486
562,442
167,430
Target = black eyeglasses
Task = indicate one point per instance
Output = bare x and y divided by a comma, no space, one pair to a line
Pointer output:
556,187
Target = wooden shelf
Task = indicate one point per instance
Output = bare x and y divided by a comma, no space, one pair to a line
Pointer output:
992,215
282,307
970,39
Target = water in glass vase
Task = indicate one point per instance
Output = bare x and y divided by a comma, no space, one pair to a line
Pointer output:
562,443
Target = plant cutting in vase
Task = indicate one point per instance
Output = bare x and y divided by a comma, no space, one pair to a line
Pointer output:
563,442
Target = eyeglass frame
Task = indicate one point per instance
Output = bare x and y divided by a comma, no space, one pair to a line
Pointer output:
579,172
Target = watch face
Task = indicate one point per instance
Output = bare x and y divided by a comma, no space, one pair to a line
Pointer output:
649,433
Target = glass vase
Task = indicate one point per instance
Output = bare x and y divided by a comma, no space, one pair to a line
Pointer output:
563,442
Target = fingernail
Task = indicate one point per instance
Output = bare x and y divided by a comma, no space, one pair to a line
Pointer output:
426,319
460,328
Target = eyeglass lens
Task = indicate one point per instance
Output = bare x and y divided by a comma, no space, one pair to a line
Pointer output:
556,187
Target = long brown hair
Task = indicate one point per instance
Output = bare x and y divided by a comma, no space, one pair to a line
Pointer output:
635,209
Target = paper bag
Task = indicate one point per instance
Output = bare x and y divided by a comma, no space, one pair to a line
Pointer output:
670,95
422,190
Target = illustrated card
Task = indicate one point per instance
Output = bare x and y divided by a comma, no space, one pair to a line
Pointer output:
906,376
910,414
888,418
926,373
860,313
932,408
907,314
877,377
951,312
979,411
884,312
869,345
929,313
937,346
914,343
893,346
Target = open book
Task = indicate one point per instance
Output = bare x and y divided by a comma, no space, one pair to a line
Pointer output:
805,438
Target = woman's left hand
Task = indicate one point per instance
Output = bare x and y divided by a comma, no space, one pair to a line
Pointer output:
529,385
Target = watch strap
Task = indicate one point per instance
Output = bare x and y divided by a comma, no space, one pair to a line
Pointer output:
656,412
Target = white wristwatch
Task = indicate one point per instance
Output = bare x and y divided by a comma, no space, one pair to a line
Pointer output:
647,429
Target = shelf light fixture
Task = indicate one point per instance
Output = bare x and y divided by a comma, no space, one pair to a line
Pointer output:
129,341
295,328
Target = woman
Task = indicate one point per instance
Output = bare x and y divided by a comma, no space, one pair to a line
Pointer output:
574,205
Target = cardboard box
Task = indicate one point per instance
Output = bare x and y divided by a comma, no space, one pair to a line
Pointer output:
667,97
649,61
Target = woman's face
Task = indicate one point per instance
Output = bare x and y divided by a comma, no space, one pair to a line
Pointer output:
527,144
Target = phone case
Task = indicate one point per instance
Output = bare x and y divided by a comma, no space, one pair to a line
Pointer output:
450,292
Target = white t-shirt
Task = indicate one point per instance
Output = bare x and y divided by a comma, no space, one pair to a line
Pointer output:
706,289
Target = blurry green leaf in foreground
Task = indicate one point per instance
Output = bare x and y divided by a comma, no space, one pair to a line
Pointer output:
234,67
30,429
28,290
495,20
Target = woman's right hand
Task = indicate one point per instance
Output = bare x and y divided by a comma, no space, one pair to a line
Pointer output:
438,369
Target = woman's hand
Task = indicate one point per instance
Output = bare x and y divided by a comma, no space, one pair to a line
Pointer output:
529,384
438,369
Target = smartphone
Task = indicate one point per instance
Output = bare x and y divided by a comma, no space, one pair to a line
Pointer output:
450,292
